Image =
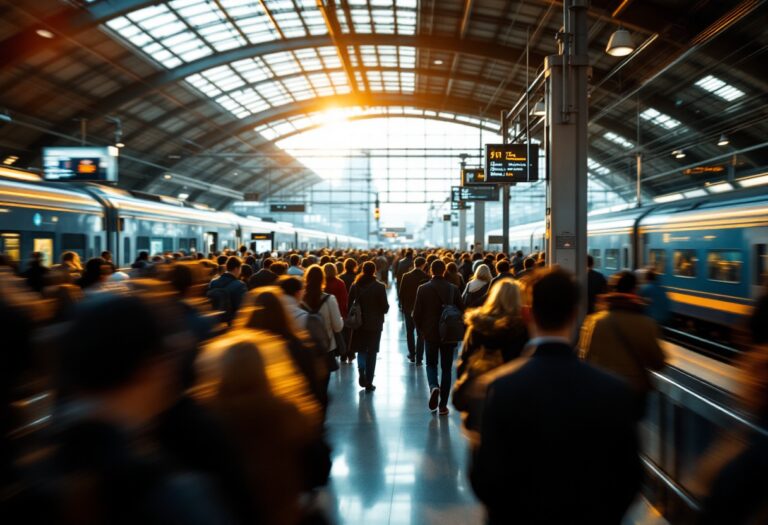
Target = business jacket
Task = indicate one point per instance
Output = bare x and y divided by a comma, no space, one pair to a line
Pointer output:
409,284
264,277
428,307
596,285
502,275
234,287
371,295
404,265
558,442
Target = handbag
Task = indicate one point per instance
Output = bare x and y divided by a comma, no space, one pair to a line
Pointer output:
341,343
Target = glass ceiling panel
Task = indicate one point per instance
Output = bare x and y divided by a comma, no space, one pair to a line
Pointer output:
209,26
660,119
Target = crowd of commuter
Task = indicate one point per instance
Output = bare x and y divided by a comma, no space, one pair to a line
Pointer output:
194,389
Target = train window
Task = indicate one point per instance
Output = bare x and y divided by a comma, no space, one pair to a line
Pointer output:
97,246
127,250
657,259
10,245
44,245
183,244
724,265
761,264
193,245
611,259
73,242
167,244
684,263
596,258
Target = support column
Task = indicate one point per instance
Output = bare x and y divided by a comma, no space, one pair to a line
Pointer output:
479,223
504,192
566,145
463,217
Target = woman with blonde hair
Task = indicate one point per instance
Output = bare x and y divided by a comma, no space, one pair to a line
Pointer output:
496,334
477,289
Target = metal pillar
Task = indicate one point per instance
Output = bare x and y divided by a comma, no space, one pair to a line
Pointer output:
463,218
479,223
566,141
504,192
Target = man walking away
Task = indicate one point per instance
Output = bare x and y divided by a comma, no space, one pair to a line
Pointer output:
404,266
409,284
431,298
596,284
558,440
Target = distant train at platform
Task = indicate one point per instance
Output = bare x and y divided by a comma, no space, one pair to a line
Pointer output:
711,252
51,218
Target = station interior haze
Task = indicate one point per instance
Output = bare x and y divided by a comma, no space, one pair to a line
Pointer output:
384,262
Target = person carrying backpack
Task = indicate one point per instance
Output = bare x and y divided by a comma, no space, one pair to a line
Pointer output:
323,318
369,296
437,314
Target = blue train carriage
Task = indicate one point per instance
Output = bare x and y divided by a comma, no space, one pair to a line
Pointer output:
610,241
159,224
48,218
712,256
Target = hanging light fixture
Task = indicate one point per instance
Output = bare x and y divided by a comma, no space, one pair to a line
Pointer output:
538,109
723,140
679,154
620,44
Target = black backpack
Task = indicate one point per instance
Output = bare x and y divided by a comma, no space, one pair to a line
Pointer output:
451,325
316,326
354,318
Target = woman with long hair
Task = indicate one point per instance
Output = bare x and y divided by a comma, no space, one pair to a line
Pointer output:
453,276
477,289
496,334
350,272
322,306
266,311
371,296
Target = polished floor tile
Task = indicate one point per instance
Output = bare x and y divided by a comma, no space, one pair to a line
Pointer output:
395,462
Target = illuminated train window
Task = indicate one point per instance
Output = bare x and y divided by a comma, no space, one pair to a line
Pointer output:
761,264
657,259
724,265
611,259
596,258
684,263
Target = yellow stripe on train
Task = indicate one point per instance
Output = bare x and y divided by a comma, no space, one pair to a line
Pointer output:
715,304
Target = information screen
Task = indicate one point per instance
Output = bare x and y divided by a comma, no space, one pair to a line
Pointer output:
470,176
287,208
508,163
474,193
80,164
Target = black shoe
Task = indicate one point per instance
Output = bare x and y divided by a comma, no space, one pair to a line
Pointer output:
412,358
370,388
444,411
361,381
419,363
434,397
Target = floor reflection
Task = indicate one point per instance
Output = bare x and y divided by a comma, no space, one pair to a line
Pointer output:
395,462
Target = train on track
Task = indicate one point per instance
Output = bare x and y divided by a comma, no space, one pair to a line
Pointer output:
51,218
711,252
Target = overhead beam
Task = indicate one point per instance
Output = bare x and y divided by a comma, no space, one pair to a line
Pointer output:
328,10
68,22
163,78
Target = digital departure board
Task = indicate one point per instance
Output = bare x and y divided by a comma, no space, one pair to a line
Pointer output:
459,205
511,163
287,208
470,176
486,192
80,164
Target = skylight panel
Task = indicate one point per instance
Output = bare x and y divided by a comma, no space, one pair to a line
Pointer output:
660,119
596,167
618,139
720,88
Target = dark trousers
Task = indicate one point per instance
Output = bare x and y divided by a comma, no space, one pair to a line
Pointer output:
414,339
367,346
443,352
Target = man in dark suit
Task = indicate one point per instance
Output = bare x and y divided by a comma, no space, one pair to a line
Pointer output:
596,284
529,265
409,284
427,310
404,265
558,442
264,277
502,272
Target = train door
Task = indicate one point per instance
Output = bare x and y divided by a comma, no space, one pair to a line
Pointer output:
211,241
262,242
757,240
625,260
43,243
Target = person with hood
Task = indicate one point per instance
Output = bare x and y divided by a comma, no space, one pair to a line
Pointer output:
623,339
496,334
477,289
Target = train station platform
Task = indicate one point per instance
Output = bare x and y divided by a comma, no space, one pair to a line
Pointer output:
395,462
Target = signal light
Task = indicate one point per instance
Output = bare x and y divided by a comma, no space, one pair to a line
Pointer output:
376,213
